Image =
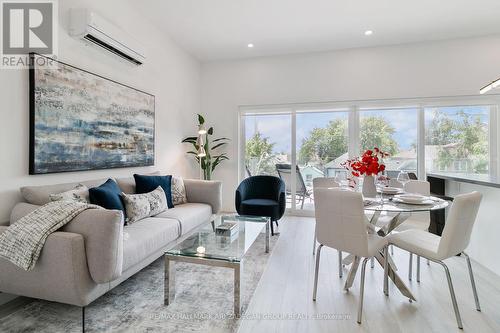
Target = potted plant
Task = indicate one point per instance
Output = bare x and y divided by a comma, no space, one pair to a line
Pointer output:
206,149
368,165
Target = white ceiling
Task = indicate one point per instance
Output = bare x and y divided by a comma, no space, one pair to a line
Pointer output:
221,29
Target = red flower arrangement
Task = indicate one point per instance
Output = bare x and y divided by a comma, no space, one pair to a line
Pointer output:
369,164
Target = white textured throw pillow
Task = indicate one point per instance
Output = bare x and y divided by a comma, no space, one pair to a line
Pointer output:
178,191
157,201
79,194
139,206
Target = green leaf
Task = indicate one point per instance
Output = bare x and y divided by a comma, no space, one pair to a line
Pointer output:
201,120
192,152
190,139
218,145
210,131
220,139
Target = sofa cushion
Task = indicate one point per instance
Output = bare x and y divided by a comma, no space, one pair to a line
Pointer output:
39,195
107,196
127,184
145,184
147,236
189,215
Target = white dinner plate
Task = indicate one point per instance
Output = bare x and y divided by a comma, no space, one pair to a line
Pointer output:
390,190
413,199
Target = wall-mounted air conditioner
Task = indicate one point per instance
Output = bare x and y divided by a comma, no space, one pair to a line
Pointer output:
92,28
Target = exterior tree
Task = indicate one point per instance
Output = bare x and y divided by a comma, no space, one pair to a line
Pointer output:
259,157
462,137
324,144
376,131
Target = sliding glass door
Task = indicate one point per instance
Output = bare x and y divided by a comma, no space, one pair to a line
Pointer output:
268,145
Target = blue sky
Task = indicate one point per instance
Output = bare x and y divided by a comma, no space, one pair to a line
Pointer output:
278,127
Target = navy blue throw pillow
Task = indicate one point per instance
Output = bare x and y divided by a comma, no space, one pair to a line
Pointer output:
145,184
107,196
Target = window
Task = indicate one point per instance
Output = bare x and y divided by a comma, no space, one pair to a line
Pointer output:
432,136
456,139
267,143
322,146
393,131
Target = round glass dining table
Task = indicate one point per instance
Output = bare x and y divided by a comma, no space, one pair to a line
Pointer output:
395,212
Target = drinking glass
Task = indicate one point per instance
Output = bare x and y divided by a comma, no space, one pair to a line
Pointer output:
381,181
403,178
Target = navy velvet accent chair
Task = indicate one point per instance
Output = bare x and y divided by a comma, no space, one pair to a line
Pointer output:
262,196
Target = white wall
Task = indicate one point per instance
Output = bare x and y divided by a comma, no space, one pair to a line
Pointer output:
449,68
169,73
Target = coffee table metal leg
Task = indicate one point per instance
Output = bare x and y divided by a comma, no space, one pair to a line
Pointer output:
237,287
267,236
169,283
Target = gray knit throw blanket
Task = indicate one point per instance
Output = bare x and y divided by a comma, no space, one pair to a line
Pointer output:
23,241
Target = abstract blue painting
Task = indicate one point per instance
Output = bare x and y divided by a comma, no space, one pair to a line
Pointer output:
83,121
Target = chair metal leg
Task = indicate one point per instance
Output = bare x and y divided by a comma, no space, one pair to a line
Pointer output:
272,229
83,319
452,293
392,250
428,262
418,268
474,290
410,266
303,199
314,241
318,254
372,262
386,270
340,264
362,290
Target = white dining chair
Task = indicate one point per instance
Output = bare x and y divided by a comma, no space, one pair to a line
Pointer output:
324,182
340,224
455,239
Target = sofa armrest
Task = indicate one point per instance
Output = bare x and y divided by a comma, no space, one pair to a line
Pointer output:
204,191
102,231
60,275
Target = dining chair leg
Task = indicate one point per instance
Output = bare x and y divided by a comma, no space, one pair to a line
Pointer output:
314,241
392,250
316,271
272,228
303,199
418,268
410,266
362,290
452,293
372,262
428,262
474,290
386,271
340,264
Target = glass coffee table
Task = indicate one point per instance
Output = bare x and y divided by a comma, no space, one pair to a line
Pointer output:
208,245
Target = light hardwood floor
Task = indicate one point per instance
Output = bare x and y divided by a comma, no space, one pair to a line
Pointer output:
285,289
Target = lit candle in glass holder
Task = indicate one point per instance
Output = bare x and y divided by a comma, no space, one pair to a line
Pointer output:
200,250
